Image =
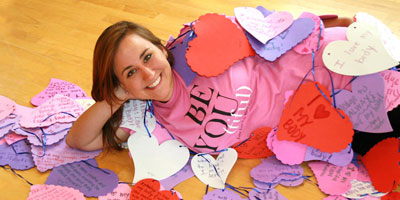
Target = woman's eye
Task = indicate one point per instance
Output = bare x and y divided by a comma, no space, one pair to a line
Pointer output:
131,72
147,58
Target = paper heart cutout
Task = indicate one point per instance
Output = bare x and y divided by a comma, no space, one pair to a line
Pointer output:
271,170
7,124
214,172
389,40
221,194
59,154
288,152
363,53
51,192
7,106
255,146
121,192
331,134
341,158
257,194
260,27
149,188
84,176
382,163
180,62
48,135
361,189
392,196
265,186
392,88
219,44
183,174
133,117
365,105
12,138
332,179
335,197
314,39
16,156
57,109
274,48
156,161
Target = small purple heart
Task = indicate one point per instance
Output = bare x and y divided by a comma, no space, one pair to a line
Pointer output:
365,105
271,194
180,64
221,194
185,173
277,46
17,156
84,176
341,158
264,11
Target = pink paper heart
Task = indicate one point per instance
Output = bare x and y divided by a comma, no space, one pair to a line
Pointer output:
392,88
7,124
45,135
59,154
52,192
316,37
288,152
7,106
57,86
121,192
332,179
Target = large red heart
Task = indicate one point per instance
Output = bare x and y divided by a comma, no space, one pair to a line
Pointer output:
382,163
219,43
392,196
255,146
150,189
309,118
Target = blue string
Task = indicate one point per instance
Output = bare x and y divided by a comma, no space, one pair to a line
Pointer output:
4,167
174,40
5,126
148,107
162,126
236,189
58,113
245,140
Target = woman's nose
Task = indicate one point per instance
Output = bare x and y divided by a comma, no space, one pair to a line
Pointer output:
148,73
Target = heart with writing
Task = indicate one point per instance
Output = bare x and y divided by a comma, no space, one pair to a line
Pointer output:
7,106
262,185
361,189
12,138
255,146
134,117
363,53
260,27
214,172
156,161
7,124
218,44
57,86
150,189
17,155
365,105
288,152
51,192
392,88
257,194
309,118
121,192
314,39
221,194
332,179
392,196
84,176
341,158
45,135
382,163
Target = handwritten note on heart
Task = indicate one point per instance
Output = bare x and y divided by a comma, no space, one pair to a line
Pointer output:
255,146
365,105
288,152
121,192
16,156
84,176
360,189
310,119
219,44
362,54
150,189
13,138
260,27
51,192
7,124
214,172
47,135
341,158
221,194
57,86
133,117
314,39
156,161
7,106
271,194
392,88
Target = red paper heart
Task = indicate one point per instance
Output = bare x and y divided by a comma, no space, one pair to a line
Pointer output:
218,44
150,189
255,146
392,196
309,118
382,163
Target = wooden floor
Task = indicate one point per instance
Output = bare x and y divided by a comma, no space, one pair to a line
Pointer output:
44,39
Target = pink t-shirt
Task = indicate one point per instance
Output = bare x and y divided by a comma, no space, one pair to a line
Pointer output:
214,113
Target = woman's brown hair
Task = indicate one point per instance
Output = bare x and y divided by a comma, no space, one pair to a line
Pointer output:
104,79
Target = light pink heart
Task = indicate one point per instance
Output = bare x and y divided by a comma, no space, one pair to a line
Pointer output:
51,192
315,38
7,106
288,152
392,88
121,192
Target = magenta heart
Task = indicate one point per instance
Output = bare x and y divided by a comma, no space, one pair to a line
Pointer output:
365,105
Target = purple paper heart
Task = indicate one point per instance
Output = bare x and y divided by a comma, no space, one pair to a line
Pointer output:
221,194
341,158
262,185
84,176
17,156
271,170
271,194
264,11
365,105
180,64
277,46
185,173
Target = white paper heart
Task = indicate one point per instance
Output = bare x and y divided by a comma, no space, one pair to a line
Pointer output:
362,54
133,117
156,161
361,189
263,28
214,172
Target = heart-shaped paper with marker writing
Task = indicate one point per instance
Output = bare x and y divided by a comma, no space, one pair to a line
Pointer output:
58,154
7,106
121,192
332,179
150,189
57,86
260,27
382,163
272,194
7,124
218,44
302,120
156,161
314,39
363,52
392,196
213,172
221,194
84,176
16,156
133,117
341,158
277,46
392,88
47,135
361,189
365,105
51,192
255,146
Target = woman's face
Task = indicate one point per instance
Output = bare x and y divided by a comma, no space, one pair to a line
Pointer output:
143,69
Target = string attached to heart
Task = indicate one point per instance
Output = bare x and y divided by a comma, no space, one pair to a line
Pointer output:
20,176
90,165
149,108
58,113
